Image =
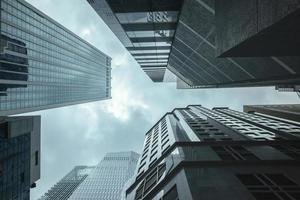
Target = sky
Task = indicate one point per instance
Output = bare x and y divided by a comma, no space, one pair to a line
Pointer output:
82,134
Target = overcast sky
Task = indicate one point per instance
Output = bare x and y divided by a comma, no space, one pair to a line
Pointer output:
82,134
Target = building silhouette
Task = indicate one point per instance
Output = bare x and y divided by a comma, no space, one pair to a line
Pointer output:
68,184
19,156
43,65
210,43
198,153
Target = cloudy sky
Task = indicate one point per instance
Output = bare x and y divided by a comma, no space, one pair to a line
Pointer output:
82,134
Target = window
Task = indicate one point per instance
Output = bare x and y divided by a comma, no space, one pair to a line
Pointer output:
150,181
36,157
234,152
290,150
270,186
22,177
172,194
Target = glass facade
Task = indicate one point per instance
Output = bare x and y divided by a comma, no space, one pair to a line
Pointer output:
188,34
43,65
149,31
67,185
107,180
16,149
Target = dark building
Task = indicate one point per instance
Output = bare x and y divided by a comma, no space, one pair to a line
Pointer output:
262,28
286,111
43,65
186,38
198,153
19,156
68,184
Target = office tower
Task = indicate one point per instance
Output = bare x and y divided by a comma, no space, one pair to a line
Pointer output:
44,65
198,153
185,37
68,184
19,156
286,111
106,181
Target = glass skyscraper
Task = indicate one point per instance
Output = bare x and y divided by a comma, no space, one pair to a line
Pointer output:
199,153
107,180
187,37
43,65
19,156
68,184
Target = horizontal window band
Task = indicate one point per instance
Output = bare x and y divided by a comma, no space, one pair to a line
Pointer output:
149,26
149,54
144,59
148,48
152,66
127,6
151,39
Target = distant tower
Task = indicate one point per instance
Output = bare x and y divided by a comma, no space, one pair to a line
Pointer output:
19,156
107,180
198,153
43,65
68,184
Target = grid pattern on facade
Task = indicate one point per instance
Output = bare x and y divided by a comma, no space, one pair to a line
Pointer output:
108,178
202,128
67,185
270,186
240,126
14,166
43,64
267,122
193,56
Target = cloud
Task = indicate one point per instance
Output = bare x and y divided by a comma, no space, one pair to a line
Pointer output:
82,134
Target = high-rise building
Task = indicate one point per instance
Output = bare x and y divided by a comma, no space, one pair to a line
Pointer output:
43,65
286,111
19,156
68,184
108,178
198,153
186,38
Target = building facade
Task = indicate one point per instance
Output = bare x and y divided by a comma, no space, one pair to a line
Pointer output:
184,37
43,65
198,153
19,156
286,111
68,184
108,178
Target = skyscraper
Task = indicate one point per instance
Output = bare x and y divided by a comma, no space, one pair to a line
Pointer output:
19,156
286,111
43,65
108,178
198,153
68,184
186,38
